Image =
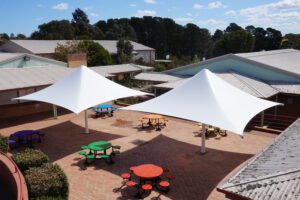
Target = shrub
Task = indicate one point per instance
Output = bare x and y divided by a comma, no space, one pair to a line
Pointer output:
49,180
4,144
49,198
30,158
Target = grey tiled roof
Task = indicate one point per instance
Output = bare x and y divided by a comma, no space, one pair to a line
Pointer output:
48,46
272,174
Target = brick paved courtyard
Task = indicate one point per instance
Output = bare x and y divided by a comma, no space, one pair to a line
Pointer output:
175,146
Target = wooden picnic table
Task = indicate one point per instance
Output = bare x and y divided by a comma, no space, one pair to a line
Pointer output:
155,120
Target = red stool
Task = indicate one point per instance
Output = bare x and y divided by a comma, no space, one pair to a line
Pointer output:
125,176
130,183
147,187
132,168
164,184
170,176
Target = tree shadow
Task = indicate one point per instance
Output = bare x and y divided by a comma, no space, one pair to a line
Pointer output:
67,138
196,175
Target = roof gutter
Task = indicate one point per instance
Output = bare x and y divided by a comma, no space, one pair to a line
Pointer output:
232,194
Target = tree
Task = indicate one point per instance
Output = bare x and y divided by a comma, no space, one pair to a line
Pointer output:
83,30
124,51
274,38
291,41
54,30
96,54
21,36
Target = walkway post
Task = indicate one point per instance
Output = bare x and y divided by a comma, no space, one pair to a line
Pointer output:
86,122
203,137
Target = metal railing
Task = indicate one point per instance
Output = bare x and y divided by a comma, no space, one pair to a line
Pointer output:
271,121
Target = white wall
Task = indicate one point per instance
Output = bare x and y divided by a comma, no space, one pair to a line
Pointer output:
148,56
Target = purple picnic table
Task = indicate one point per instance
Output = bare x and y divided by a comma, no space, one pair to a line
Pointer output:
26,137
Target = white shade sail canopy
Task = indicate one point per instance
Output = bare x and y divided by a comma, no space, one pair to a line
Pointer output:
208,99
80,90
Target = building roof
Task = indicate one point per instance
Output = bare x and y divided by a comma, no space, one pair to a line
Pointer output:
272,174
15,78
122,68
8,57
248,84
156,77
48,46
284,59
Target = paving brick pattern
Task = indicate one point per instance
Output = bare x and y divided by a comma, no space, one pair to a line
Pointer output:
175,147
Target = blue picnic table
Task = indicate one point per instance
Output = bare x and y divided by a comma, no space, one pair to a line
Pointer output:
104,109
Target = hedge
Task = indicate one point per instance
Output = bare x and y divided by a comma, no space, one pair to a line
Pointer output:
49,180
49,198
4,144
30,158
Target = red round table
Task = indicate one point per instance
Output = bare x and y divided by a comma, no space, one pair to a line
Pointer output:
148,171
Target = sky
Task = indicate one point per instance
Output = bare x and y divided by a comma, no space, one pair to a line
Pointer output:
24,16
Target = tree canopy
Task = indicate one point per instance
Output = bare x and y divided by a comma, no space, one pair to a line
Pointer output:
96,54
166,36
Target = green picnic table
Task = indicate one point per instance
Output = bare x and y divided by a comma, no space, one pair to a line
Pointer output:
99,146
94,147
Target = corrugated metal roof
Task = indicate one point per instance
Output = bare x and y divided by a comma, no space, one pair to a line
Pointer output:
284,59
250,85
156,77
122,68
274,173
6,57
12,78
48,46
9,56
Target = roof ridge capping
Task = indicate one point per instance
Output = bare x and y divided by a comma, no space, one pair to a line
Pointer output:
264,177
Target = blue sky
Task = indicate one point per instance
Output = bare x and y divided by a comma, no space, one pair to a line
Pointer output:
24,16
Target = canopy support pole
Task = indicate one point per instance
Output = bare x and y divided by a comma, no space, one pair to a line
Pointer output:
86,122
203,137
54,111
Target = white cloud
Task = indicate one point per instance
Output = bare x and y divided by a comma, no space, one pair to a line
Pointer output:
216,4
150,1
198,6
94,14
141,13
279,15
211,5
184,19
213,23
132,5
88,8
231,13
61,6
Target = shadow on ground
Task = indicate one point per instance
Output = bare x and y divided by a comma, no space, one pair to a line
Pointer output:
9,122
196,175
66,138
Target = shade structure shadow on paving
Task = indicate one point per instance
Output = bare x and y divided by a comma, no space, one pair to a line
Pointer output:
66,138
196,176
9,122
